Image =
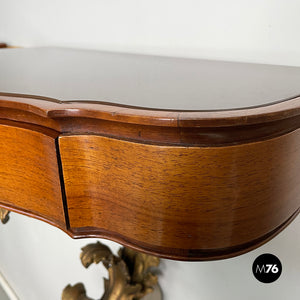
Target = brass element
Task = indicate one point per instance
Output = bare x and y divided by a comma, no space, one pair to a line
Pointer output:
4,217
130,276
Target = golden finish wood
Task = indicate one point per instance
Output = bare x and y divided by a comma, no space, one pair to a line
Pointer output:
130,277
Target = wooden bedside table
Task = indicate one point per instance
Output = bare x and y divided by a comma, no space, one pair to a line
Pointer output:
185,159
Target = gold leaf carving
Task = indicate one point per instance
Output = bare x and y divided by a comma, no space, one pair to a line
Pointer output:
130,273
75,292
95,253
4,215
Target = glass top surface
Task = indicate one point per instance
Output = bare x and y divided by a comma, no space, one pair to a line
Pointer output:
143,80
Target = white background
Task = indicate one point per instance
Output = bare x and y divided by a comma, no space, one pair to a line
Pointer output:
39,260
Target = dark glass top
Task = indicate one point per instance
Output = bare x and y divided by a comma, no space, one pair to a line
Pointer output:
144,81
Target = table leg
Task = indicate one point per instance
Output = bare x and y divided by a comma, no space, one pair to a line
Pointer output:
4,215
131,274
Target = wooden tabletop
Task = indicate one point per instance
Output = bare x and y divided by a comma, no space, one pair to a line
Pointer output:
181,158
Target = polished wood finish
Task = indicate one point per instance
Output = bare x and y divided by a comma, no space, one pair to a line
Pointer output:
180,198
29,174
33,107
181,184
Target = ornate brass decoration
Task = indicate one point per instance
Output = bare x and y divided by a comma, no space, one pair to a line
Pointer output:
4,215
130,274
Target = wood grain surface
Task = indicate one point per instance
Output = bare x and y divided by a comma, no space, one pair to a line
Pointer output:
185,202
97,110
29,178
145,171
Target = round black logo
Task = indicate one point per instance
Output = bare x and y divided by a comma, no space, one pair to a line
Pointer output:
267,268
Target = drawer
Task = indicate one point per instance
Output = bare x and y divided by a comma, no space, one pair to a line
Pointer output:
180,201
29,177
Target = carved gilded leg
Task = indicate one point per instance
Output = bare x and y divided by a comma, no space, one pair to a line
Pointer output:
4,215
130,276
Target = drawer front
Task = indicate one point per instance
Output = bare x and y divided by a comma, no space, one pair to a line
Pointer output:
180,201
29,177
